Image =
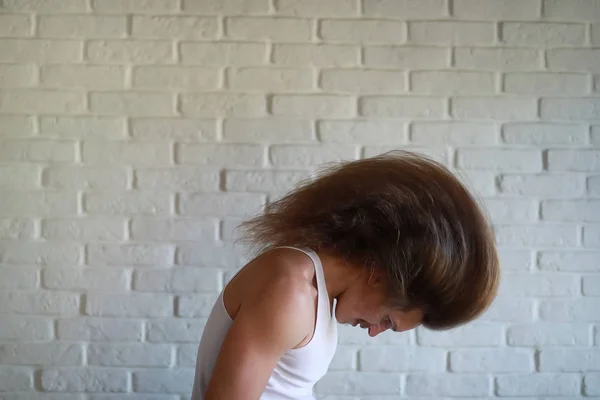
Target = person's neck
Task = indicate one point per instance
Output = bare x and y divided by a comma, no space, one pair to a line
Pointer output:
339,274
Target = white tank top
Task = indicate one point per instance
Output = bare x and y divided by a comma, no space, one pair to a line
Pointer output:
297,370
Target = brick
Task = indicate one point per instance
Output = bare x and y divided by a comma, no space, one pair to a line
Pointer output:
160,27
179,129
544,134
519,160
591,236
545,83
548,334
509,309
82,26
588,10
16,125
39,303
540,235
129,51
568,160
23,328
482,183
220,154
82,127
223,105
593,186
47,354
591,285
307,156
15,378
448,82
390,359
129,355
18,278
318,54
129,305
133,104
270,79
488,108
98,152
447,385
196,305
504,59
512,210
159,229
40,253
220,54
17,75
410,107
569,262
405,9
38,203
344,359
591,384
277,29
538,384
187,179
542,34
83,76
135,6
84,278
363,31
267,130
574,310
349,335
133,396
83,229
262,181
14,25
127,203
436,154
228,229
554,185
99,329
570,109
218,204
40,51
460,133
227,6
46,6
496,9
451,33
361,383
515,260
211,255
473,335
159,77
130,254
41,102
164,381
362,131
571,210
316,8
313,106
38,150
540,284
407,57
186,355
83,380
573,60
362,81
19,176
505,360
177,330
177,280
85,178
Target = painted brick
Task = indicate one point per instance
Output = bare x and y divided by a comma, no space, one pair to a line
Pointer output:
84,178
574,310
128,305
515,260
447,385
539,384
130,254
538,285
591,236
177,330
577,9
177,280
574,60
40,253
83,229
570,109
82,127
16,125
405,9
82,26
84,278
262,181
46,6
482,183
553,185
548,334
407,57
39,303
279,29
267,130
38,203
41,102
473,335
126,203
129,51
571,210
237,204
83,76
223,105
38,150
569,262
134,6
306,156
504,360
318,54
495,59
451,33
544,134
227,6
161,27
512,210
134,104
18,75
460,133
593,186
545,83
177,178
489,108
196,306
362,131
571,360
591,384
220,154
40,51
179,129
307,106
158,229
316,8
536,235
542,34
568,160
591,285
496,9
24,328
47,354
363,31
99,329
372,383
365,81
186,355
388,106
19,176
161,77
439,82
15,378
390,359
521,160
208,255
84,380
129,355
509,309
14,25
223,53
164,381
125,152
17,277
270,79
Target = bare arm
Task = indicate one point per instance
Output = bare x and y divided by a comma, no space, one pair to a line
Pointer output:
263,330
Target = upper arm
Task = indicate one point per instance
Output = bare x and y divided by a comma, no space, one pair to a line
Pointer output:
263,330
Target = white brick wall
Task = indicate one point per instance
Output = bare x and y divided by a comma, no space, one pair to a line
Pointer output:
135,135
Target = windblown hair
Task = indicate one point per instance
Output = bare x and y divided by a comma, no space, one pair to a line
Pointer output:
402,213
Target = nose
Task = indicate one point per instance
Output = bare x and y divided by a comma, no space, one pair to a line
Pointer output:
377,329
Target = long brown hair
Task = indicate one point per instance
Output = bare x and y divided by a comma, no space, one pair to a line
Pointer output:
400,212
